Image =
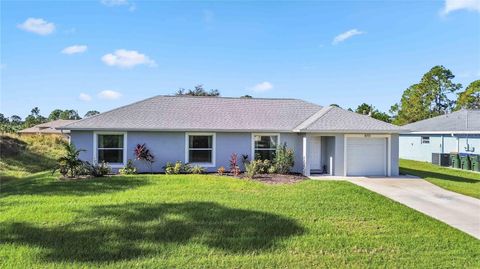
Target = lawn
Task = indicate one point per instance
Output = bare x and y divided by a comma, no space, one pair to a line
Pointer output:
464,182
199,221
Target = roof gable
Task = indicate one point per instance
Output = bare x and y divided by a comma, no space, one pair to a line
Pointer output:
333,119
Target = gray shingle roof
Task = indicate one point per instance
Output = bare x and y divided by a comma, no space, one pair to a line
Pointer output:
462,120
51,127
187,113
203,113
336,119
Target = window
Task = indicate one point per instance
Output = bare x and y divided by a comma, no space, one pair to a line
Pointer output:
425,140
110,148
264,146
200,149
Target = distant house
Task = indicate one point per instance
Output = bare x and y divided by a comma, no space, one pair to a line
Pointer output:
48,128
207,130
455,132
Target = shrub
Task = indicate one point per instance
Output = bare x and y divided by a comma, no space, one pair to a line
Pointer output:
234,168
97,170
70,164
142,153
284,159
221,170
177,168
197,169
272,170
129,169
264,166
252,168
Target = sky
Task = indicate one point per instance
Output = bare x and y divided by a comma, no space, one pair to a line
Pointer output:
98,55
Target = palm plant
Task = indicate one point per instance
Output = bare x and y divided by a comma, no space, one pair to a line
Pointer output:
70,163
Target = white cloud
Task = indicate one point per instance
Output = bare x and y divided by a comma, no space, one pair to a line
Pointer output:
109,95
262,87
37,26
84,97
453,5
127,58
74,49
344,36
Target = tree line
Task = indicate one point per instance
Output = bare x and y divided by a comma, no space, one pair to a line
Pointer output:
435,94
15,123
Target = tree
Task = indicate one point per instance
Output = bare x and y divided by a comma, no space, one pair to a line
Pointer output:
246,96
34,118
428,98
14,119
3,119
35,111
370,110
55,114
470,98
198,91
69,114
91,113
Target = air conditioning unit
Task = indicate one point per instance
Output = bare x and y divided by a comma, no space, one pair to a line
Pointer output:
442,159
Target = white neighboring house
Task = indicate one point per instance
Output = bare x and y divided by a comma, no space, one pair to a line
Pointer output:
455,132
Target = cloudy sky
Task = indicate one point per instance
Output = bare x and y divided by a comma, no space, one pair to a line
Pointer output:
103,54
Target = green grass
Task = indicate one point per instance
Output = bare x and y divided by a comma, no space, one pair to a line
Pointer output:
198,221
22,156
461,181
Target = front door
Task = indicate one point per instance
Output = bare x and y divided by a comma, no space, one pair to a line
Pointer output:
315,149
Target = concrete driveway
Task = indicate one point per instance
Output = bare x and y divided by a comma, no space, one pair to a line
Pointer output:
456,210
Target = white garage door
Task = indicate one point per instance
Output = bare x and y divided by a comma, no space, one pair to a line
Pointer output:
366,156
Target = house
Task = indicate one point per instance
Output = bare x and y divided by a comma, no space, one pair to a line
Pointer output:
455,132
47,128
207,130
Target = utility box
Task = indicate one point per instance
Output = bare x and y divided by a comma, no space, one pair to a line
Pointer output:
464,162
442,159
475,162
454,160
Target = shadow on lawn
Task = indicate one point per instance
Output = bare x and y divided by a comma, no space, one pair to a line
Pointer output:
425,174
129,231
46,184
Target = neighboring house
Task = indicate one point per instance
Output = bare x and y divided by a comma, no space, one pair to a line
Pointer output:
207,130
47,128
455,132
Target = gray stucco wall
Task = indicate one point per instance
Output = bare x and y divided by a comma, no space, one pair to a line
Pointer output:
411,147
394,147
328,151
83,140
338,166
294,141
170,147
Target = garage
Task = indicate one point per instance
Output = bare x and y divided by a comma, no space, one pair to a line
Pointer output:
366,156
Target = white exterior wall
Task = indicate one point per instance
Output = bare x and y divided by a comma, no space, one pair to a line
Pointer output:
411,147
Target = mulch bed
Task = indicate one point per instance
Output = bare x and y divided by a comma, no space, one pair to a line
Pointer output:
274,178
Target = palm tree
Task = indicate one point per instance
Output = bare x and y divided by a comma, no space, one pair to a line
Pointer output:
70,162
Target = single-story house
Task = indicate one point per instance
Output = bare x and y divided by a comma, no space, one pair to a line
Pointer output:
207,130
455,132
47,128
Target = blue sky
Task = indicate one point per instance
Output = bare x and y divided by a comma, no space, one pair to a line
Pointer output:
103,54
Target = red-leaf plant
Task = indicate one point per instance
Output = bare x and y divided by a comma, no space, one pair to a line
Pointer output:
142,153
234,168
